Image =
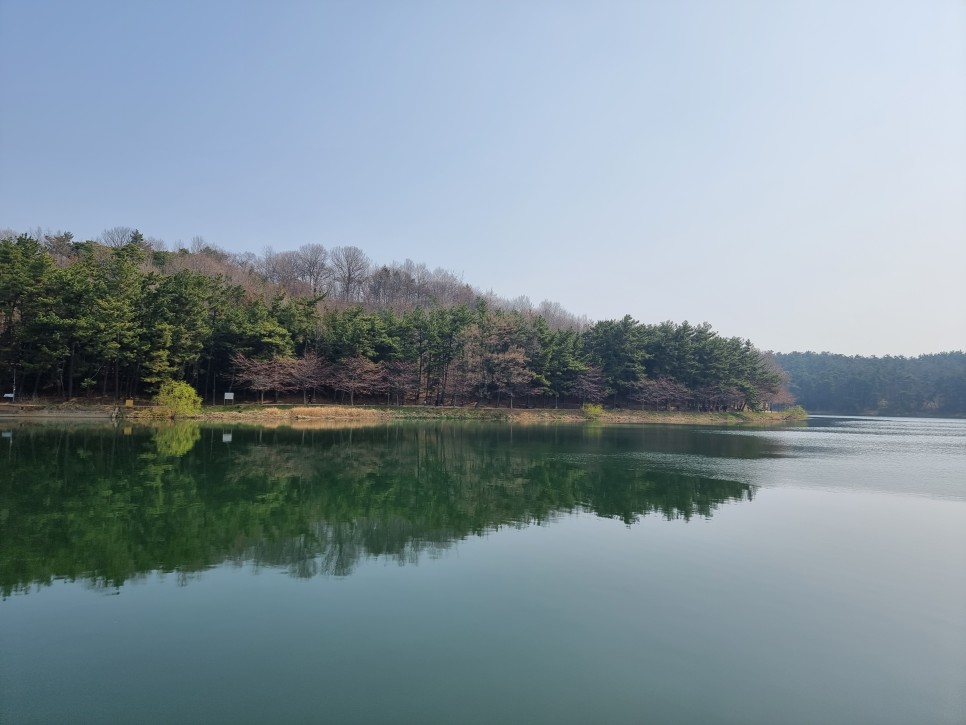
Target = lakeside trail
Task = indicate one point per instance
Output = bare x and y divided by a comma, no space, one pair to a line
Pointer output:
336,415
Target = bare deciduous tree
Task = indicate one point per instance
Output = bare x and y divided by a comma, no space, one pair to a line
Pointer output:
286,272
116,236
359,375
560,319
258,375
350,266
589,386
511,376
662,393
402,378
381,287
305,373
311,264
280,374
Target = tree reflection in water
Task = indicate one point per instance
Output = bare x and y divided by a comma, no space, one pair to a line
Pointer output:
109,505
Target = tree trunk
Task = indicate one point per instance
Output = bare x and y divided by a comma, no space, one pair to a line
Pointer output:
70,373
419,378
207,375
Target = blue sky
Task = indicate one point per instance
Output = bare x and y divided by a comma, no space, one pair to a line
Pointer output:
791,172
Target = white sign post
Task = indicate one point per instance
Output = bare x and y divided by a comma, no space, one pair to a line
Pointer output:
229,396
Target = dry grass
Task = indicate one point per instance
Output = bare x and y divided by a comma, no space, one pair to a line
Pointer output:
323,423
316,417
338,412
340,416
343,415
272,412
547,416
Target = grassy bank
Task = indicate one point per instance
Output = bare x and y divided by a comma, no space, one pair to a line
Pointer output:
355,415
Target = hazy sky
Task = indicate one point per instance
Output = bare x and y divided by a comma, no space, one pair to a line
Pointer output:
792,172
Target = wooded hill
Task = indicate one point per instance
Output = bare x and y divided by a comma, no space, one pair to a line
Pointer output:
928,385
117,316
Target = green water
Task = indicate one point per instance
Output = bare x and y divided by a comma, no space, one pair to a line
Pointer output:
485,574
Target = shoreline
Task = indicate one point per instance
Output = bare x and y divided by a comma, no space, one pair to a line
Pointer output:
275,415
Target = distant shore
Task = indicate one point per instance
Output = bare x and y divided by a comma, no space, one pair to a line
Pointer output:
354,415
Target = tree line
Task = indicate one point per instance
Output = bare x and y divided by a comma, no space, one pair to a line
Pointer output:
116,318
927,385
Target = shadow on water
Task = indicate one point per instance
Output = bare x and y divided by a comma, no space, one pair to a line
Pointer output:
111,505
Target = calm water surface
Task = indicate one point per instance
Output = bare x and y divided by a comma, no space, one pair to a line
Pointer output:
475,574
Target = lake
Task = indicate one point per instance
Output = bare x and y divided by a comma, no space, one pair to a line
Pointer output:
467,573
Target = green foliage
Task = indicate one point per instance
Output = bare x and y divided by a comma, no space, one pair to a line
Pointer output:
928,385
353,333
618,348
176,439
593,410
178,398
31,323
796,412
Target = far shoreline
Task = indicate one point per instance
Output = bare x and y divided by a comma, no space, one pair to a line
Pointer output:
353,415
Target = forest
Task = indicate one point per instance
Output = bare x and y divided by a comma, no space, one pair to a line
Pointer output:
928,385
115,317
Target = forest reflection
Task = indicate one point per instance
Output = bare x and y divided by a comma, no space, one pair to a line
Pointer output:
109,505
